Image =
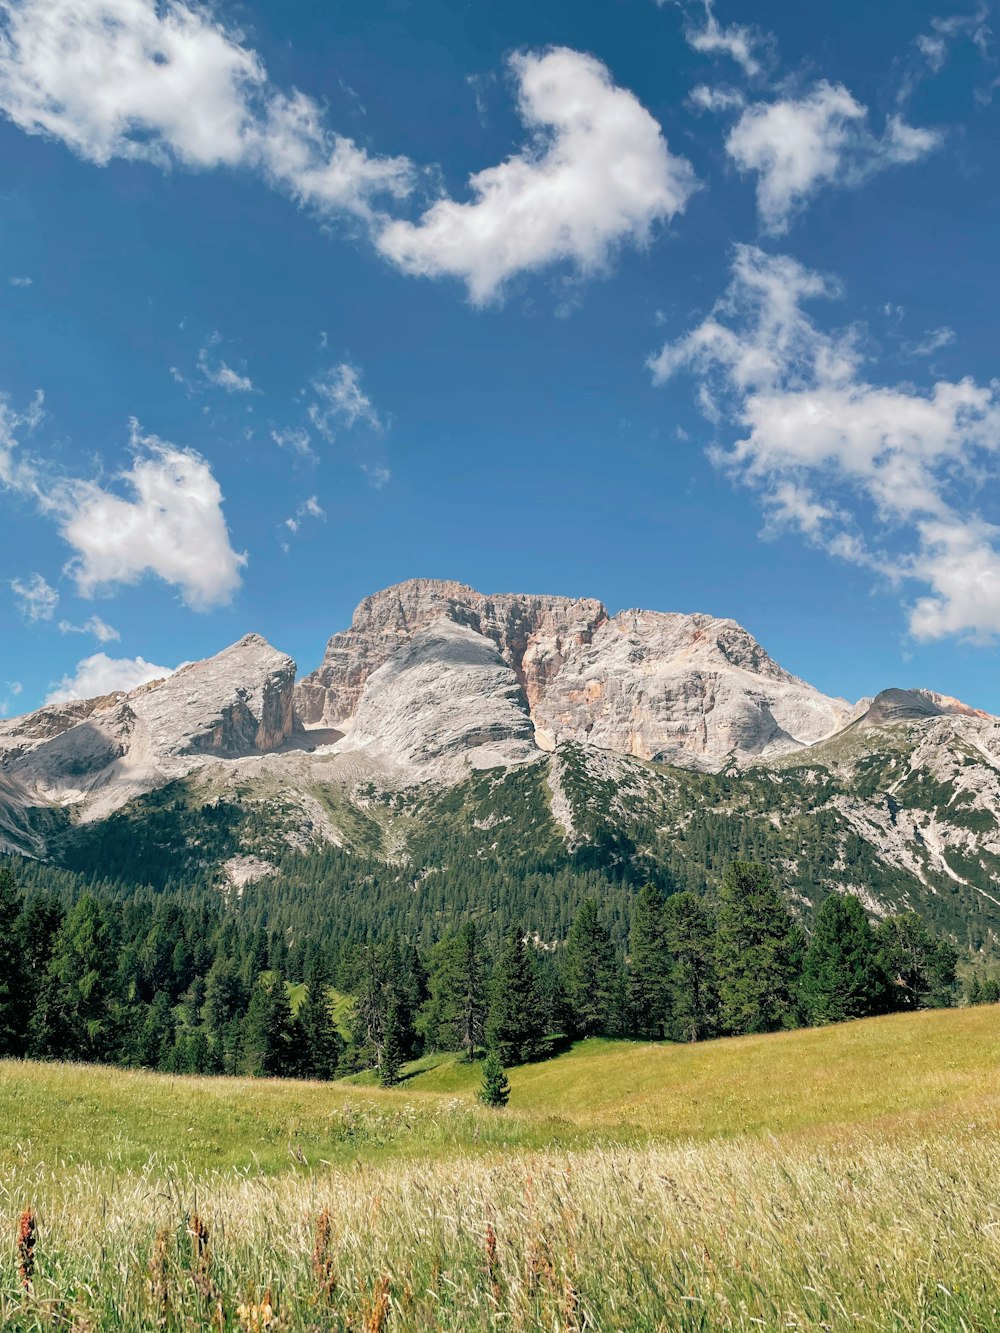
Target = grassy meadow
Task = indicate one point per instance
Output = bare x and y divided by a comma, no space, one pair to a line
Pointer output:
837,1178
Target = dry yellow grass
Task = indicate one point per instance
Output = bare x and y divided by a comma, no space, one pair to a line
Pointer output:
844,1179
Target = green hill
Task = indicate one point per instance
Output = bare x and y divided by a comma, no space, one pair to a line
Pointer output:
836,1178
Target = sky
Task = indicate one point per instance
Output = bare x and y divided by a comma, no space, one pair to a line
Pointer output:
688,307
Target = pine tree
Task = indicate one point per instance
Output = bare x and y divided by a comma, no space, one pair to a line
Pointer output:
974,990
759,948
648,965
692,991
920,968
515,1027
841,975
14,979
454,1015
76,1016
494,1090
392,1055
589,970
318,1041
267,1046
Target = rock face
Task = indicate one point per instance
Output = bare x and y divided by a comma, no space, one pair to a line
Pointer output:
896,705
237,703
447,692
533,635
681,688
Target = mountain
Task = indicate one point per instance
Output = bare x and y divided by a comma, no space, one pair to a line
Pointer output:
470,753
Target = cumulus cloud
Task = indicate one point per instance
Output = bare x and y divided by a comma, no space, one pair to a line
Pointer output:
597,173
100,674
341,400
797,145
36,599
101,630
170,523
857,467
737,41
167,83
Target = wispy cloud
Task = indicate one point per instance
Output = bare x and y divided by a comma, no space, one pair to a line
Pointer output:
340,401
884,476
36,598
102,632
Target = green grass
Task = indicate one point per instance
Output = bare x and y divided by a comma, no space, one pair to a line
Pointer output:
835,1179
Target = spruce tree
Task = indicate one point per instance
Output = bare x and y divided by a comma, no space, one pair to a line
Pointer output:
392,1054
318,1042
494,1089
589,969
14,979
841,975
759,948
454,1015
516,1023
920,968
692,991
648,965
267,1046
77,1014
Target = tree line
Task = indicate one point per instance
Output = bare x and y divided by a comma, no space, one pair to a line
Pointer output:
192,989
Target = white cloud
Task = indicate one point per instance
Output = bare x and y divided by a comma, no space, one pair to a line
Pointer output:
37,600
855,466
100,674
340,399
705,98
378,475
737,41
169,84
597,173
173,527
932,342
102,632
795,146
294,438
15,687
21,282
219,374
310,508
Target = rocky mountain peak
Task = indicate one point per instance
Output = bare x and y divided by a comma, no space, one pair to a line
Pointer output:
896,705
692,689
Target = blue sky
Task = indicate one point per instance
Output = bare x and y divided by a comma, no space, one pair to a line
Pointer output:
681,308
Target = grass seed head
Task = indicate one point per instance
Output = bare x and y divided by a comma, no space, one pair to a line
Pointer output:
26,1234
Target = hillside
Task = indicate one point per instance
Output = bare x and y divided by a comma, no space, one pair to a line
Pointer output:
840,1178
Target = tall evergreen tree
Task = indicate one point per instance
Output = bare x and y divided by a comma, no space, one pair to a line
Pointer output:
759,947
516,1025
77,1013
454,1015
920,968
318,1041
267,1045
14,978
841,976
494,1089
692,991
392,1050
589,973
648,966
